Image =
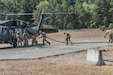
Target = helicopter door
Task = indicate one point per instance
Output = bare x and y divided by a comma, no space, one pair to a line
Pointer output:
0,34
4,35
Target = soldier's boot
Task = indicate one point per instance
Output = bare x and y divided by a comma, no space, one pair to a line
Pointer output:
43,43
49,43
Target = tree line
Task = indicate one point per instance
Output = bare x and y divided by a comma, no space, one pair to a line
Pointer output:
88,13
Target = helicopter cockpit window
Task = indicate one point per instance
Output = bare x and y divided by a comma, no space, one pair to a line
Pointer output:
18,30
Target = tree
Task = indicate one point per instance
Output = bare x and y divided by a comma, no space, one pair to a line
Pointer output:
88,12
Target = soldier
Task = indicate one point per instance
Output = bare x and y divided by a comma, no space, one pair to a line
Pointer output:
19,39
25,38
68,38
110,33
34,40
44,37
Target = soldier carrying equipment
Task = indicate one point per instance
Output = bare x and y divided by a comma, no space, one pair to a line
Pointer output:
44,37
25,38
68,38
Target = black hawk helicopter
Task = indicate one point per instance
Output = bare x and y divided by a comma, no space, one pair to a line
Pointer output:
9,28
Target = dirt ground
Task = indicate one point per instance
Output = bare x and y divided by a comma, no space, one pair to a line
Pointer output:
66,64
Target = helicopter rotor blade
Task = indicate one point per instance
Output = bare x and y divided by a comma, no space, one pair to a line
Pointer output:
17,14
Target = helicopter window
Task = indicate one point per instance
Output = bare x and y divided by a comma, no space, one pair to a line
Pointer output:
4,31
18,30
10,31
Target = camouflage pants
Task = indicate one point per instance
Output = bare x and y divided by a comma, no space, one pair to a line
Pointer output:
25,41
44,40
68,41
110,38
19,42
34,41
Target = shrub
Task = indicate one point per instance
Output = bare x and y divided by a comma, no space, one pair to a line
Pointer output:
102,28
93,25
111,25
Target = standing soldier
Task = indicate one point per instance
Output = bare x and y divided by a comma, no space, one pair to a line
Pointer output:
110,33
19,39
44,37
25,38
67,38
34,40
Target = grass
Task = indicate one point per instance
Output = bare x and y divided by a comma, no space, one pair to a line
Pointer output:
68,64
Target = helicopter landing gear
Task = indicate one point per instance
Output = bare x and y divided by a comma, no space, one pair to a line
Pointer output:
14,42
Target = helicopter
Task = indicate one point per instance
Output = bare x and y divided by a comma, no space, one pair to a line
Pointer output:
9,28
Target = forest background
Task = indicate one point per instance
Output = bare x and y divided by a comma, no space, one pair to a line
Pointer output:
87,13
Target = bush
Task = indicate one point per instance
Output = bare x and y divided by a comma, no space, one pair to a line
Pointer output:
102,28
93,25
70,26
111,25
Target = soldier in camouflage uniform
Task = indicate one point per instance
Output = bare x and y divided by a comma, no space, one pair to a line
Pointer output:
19,39
25,38
110,33
34,40
44,37
67,38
